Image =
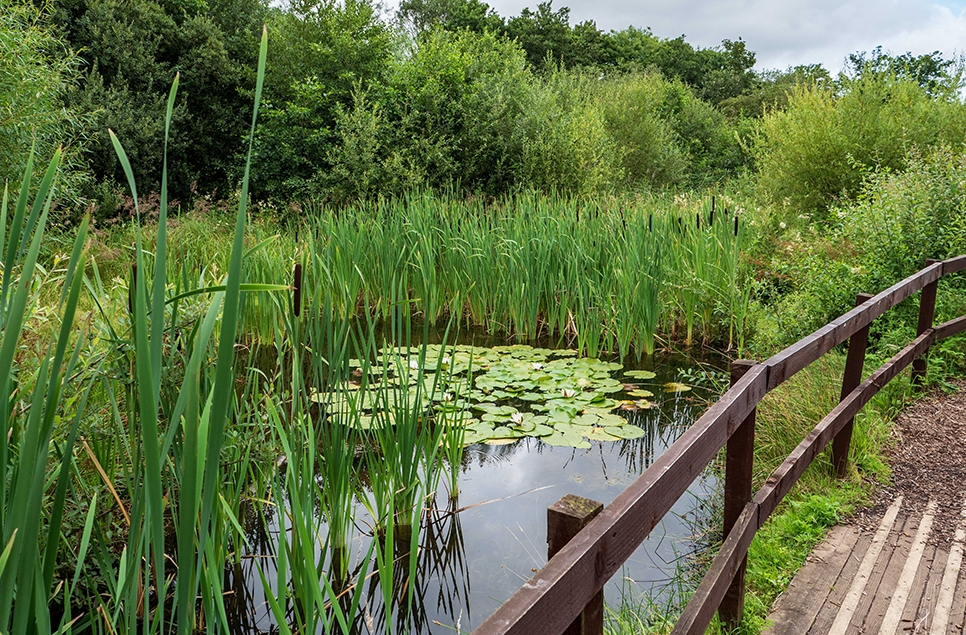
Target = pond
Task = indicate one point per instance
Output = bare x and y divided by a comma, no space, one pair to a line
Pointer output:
478,549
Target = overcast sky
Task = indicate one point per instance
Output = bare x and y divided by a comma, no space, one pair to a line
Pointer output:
783,32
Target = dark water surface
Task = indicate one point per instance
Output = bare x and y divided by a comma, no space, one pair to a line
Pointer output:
475,552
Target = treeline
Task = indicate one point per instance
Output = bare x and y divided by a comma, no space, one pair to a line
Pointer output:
446,93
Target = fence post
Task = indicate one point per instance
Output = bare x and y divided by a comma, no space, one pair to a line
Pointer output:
739,461
927,311
850,381
565,519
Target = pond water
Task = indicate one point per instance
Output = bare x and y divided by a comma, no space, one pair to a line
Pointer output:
475,552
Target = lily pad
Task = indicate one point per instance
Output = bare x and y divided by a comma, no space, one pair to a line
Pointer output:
626,432
561,439
673,386
640,374
601,434
640,393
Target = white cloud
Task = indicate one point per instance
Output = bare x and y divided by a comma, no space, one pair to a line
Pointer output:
783,32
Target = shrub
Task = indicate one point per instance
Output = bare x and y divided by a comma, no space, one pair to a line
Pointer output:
36,71
819,149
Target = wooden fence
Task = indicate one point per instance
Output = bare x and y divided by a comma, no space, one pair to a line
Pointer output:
556,595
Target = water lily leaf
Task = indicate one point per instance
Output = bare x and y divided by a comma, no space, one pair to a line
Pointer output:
495,418
566,440
586,420
640,374
611,420
600,434
640,393
541,431
626,432
673,386
500,441
469,438
532,396
560,414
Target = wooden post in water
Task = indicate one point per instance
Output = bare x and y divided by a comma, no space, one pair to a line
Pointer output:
927,311
565,519
739,460
850,381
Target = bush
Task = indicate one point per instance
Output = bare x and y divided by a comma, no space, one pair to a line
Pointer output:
820,148
36,71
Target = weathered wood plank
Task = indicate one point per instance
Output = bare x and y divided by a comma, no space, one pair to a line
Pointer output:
739,465
954,265
706,599
950,328
854,363
550,601
902,586
926,611
917,609
796,608
840,589
881,584
565,519
799,355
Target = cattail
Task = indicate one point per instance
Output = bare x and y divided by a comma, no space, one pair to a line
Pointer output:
736,225
623,220
697,220
132,288
297,285
711,222
680,225
650,222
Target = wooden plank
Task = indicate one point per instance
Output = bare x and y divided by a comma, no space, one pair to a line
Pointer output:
797,607
957,619
926,614
780,482
799,355
948,585
550,601
703,604
854,363
565,519
739,465
904,584
917,611
881,585
853,598
927,313
827,614
954,265
950,328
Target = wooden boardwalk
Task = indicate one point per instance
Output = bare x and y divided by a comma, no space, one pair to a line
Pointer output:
890,579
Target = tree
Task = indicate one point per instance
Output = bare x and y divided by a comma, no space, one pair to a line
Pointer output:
131,50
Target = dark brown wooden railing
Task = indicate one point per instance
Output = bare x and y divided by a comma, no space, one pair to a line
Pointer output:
550,601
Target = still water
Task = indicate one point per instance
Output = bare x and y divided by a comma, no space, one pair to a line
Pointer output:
476,551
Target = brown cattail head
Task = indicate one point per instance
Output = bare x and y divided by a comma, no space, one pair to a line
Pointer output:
736,225
711,221
297,286
697,220
650,222
132,288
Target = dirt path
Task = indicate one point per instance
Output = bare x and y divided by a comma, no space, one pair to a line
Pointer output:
929,461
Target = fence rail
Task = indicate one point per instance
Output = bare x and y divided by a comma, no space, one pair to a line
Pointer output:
556,595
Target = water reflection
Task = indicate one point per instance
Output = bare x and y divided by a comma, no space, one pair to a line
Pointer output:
471,554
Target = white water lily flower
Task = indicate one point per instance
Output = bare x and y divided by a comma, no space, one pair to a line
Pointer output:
414,364
517,417
536,365
568,393
447,397
445,361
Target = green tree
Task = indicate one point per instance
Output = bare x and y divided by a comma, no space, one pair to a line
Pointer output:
131,51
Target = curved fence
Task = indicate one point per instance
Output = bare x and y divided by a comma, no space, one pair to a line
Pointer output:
552,601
